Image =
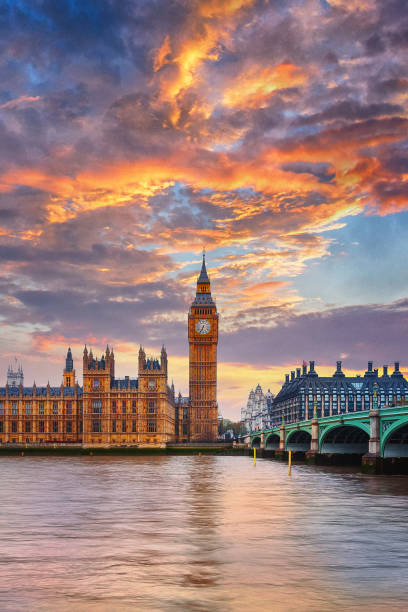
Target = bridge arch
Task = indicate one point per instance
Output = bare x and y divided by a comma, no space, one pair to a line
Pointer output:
395,441
345,439
256,442
298,440
272,441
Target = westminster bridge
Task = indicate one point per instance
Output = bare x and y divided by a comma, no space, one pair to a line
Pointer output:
376,435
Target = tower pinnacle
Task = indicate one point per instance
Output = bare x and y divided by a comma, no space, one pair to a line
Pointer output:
203,278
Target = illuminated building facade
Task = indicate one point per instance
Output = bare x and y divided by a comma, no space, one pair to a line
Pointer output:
108,411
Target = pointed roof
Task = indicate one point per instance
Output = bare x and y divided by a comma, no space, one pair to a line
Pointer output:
203,278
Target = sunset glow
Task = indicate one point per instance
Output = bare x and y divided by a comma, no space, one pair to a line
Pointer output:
134,134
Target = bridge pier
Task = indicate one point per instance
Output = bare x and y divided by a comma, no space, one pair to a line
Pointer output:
313,453
280,453
372,461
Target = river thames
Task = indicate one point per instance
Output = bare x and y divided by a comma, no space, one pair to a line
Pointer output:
199,533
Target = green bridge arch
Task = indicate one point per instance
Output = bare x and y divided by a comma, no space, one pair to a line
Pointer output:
272,434
288,434
391,429
323,431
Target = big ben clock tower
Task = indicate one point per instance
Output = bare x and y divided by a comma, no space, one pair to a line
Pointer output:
203,339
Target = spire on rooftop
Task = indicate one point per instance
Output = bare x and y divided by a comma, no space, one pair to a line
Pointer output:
203,278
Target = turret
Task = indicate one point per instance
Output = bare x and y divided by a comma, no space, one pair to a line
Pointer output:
142,359
163,359
69,372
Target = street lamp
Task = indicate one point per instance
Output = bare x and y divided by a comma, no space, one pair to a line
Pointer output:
375,401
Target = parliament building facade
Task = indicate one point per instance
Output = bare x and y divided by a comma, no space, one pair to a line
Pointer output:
107,411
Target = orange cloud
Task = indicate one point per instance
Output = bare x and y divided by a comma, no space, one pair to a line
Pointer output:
21,101
206,27
254,87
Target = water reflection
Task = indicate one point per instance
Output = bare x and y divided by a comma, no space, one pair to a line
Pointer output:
199,533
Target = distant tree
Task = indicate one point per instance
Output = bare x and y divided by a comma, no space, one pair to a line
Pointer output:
236,426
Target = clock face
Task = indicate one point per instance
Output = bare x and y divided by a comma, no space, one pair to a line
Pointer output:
203,326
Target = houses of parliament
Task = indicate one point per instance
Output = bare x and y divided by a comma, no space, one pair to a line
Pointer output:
108,411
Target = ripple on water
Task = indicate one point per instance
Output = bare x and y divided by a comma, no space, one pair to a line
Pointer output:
199,533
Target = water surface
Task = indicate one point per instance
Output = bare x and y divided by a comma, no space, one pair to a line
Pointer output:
199,533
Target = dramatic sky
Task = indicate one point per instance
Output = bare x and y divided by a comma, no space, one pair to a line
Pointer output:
135,132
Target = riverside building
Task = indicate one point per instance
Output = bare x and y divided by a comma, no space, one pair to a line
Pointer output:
305,392
108,411
257,414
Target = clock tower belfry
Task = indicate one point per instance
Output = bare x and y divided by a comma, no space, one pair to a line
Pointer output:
203,339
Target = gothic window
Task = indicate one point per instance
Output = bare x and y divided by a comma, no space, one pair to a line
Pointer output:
185,413
1,409
14,426
68,382
69,426
1,426
41,408
114,405
96,426
28,426
55,409
41,426
152,384
151,407
69,408
123,426
151,426
96,384
14,409
96,406
123,407
114,426
134,428
55,426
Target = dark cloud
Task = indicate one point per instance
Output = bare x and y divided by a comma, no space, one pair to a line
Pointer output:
115,167
351,110
366,332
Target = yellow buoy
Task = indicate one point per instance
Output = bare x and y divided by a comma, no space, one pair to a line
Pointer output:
254,456
290,462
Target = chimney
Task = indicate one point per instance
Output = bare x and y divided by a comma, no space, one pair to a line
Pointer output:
292,376
297,372
370,366
286,378
376,372
304,369
311,364
338,367
396,369
385,370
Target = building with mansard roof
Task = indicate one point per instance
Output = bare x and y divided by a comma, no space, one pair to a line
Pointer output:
305,393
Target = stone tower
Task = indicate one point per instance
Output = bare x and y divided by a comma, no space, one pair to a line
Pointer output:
15,375
203,340
69,372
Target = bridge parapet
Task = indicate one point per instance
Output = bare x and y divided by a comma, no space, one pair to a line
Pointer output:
379,429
